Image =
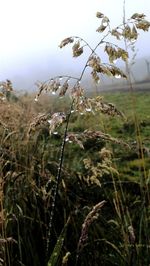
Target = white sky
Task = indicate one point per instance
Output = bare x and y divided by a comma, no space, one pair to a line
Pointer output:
32,29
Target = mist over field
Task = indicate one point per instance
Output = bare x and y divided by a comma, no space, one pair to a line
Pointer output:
26,75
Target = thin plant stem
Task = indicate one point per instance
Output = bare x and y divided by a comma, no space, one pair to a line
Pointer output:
62,149
55,191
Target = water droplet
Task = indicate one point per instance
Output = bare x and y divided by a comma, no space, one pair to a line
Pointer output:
55,133
102,44
36,99
115,61
3,98
67,139
133,41
105,24
117,76
53,204
88,109
53,92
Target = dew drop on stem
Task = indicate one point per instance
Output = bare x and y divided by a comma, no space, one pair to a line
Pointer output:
49,121
102,44
55,133
115,61
117,76
36,99
105,24
88,109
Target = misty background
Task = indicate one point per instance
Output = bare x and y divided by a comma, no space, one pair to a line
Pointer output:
31,32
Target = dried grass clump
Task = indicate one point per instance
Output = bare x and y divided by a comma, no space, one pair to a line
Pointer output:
5,89
11,115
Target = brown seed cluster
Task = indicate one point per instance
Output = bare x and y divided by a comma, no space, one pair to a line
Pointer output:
90,218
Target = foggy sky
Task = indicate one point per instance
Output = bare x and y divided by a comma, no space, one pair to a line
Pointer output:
31,31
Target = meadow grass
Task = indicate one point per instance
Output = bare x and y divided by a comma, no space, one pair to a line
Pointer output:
103,170
74,186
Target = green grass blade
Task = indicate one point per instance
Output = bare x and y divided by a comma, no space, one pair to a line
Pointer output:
57,249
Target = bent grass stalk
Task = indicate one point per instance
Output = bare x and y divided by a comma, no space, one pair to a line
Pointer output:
58,177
